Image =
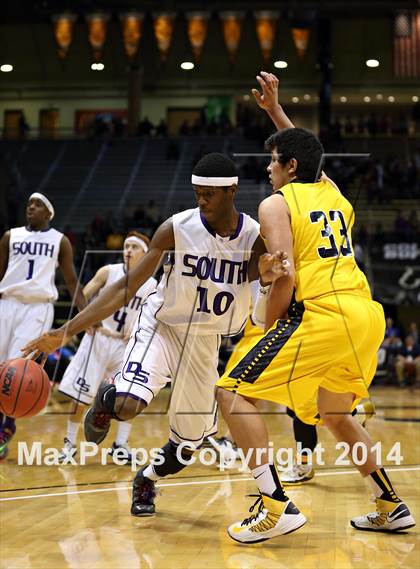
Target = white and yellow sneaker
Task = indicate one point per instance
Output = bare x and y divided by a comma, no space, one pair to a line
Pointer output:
298,474
389,517
273,518
365,411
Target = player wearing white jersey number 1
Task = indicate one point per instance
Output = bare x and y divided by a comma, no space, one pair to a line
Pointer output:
100,354
210,275
29,257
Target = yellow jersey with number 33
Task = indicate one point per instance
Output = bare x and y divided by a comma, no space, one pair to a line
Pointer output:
321,221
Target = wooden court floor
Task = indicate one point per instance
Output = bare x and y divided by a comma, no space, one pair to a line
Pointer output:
78,516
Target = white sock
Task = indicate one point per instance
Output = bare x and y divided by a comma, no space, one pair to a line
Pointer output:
149,472
72,429
123,432
263,476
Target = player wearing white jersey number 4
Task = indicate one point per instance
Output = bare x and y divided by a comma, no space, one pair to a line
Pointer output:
101,353
210,275
29,257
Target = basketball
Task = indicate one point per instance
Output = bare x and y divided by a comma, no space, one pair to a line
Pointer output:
24,388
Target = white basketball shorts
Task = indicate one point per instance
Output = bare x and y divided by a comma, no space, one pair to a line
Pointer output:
97,358
20,323
157,354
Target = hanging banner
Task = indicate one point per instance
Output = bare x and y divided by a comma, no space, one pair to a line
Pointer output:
232,27
132,24
163,25
266,25
97,33
301,39
197,31
63,32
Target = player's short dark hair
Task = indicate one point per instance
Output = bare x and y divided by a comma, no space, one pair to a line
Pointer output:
302,145
215,165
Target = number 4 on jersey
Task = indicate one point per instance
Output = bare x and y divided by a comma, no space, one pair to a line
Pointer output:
327,233
120,317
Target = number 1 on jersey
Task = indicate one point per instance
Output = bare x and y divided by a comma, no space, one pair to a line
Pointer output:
31,269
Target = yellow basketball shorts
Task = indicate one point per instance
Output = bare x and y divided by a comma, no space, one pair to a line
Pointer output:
333,344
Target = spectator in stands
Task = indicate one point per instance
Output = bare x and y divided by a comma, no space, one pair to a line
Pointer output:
413,331
144,128
172,150
383,125
23,126
360,125
407,362
162,128
379,234
392,333
401,226
372,125
70,235
115,241
415,115
413,222
184,129
348,125
152,212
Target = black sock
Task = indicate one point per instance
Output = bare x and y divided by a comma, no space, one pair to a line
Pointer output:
382,481
171,463
306,435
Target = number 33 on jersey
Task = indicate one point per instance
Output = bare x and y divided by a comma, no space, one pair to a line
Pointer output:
321,220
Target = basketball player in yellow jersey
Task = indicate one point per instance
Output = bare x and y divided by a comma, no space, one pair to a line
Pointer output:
328,353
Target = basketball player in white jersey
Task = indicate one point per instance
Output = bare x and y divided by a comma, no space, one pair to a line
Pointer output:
205,293
100,355
29,257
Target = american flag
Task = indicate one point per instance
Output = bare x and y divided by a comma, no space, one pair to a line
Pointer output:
407,44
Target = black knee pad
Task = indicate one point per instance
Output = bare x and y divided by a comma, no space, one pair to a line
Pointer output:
171,464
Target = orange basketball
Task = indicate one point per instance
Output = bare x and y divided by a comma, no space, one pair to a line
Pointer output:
24,388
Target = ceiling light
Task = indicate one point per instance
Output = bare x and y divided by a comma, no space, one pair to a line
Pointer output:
246,97
280,64
391,99
343,99
6,68
307,97
187,65
97,66
415,99
372,63
366,99
295,99
379,96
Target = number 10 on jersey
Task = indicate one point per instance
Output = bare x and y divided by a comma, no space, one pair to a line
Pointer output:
221,302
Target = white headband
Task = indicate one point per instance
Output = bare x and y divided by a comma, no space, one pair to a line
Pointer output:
44,200
138,241
204,181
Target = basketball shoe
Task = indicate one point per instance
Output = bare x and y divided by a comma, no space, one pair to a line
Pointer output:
389,517
273,518
122,452
297,474
68,450
6,435
144,493
364,412
98,419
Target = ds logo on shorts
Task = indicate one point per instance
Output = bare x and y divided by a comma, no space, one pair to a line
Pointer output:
81,385
137,371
